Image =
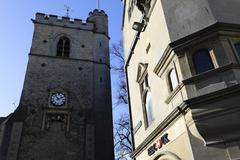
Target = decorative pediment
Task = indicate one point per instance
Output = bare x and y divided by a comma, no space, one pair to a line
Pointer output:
144,6
142,70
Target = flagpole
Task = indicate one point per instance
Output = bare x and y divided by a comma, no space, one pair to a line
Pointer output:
98,4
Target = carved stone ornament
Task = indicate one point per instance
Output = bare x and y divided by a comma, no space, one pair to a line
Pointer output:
52,119
144,6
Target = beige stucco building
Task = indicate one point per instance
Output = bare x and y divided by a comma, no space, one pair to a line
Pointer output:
183,75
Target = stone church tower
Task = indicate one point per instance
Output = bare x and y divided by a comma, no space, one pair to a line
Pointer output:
65,109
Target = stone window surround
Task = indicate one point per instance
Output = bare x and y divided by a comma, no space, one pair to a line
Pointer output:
233,43
142,80
172,91
164,73
53,41
170,85
195,50
197,61
148,120
65,52
187,46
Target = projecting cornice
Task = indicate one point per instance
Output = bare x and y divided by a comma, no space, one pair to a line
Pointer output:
218,29
210,107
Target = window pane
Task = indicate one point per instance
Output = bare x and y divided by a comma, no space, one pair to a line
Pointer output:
173,79
66,48
149,108
237,47
60,47
202,61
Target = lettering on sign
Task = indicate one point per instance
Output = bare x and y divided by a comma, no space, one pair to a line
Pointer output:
158,144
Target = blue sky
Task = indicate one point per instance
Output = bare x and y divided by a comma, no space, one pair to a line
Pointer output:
16,31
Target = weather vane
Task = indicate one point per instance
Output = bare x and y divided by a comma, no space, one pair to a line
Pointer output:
68,9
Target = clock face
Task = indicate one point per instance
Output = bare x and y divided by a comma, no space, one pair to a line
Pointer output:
58,99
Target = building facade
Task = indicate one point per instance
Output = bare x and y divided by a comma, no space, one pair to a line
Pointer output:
182,68
66,97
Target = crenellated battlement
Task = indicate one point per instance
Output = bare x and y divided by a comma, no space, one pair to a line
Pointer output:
97,12
100,19
63,21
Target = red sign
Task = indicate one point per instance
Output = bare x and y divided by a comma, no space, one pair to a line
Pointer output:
158,144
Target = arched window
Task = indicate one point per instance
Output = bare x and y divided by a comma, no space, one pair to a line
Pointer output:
173,80
146,98
63,47
149,108
237,47
202,61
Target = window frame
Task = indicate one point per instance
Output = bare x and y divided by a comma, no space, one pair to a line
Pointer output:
142,80
236,50
144,91
148,110
64,49
170,81
211,62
